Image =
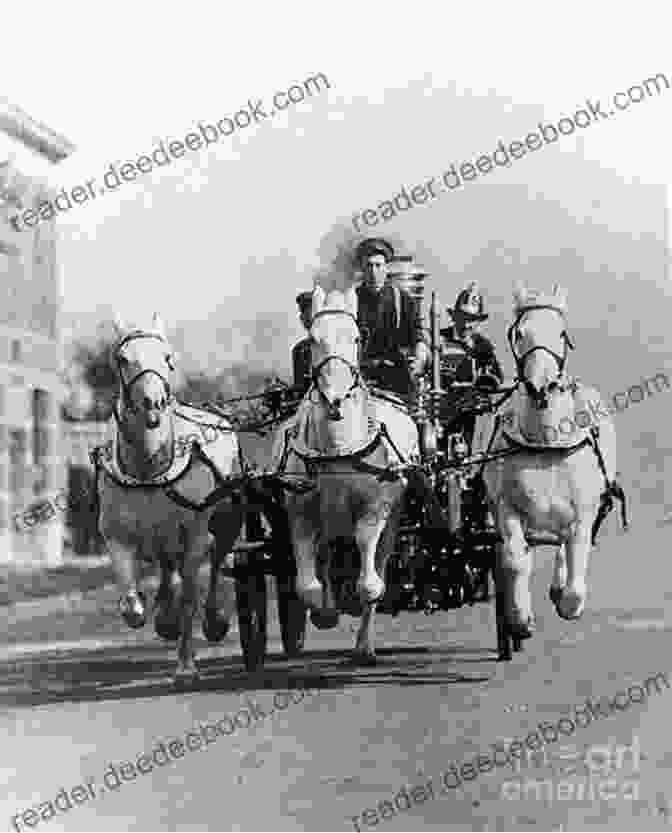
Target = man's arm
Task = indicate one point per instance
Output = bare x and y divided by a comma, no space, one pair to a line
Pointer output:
496,367
488,359
299,364
363,309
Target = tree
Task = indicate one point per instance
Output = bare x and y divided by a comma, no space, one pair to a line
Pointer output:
90,367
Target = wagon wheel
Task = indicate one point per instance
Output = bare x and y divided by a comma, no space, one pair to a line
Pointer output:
291,610
251,599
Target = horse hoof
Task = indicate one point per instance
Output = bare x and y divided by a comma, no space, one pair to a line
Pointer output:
167,625
521,630
132,609
555,594
570,606
371,589
363,659
311,595
185,678
324,619
215,627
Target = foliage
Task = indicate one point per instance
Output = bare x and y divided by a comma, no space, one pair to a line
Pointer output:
91,367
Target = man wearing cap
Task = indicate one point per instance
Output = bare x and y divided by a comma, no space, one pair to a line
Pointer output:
301,364
390,322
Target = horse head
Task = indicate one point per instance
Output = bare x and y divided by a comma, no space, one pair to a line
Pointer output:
334,335
145,365
539,341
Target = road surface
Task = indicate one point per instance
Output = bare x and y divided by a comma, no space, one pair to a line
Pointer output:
79,693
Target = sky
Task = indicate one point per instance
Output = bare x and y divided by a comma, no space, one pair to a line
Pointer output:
220,241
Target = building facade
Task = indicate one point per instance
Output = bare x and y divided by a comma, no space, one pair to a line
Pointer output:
31,378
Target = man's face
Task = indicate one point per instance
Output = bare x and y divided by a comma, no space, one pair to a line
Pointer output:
305,316
376,272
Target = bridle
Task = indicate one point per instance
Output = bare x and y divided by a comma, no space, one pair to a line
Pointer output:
126,385
539,396
334,408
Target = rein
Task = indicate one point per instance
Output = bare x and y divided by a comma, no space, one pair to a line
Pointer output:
312,460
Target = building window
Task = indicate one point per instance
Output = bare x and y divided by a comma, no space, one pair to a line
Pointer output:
16,350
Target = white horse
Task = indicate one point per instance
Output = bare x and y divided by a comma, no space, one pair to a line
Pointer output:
158,480
355,446
556,482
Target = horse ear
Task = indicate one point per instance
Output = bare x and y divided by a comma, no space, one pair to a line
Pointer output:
158,326
519,294
119,325
318,300
350,296
560,295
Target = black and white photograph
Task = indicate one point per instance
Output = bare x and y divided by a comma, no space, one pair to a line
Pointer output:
335,371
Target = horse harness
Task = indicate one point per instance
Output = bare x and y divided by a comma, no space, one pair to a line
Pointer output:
560,360
313,460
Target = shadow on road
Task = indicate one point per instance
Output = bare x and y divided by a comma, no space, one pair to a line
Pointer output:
138,671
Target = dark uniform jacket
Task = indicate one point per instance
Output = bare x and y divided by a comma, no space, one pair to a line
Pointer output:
301,365
454,415
382,334
483,354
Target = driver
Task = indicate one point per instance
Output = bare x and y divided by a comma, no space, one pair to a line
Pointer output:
390,321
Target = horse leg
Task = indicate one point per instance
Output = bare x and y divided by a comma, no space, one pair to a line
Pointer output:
370,585
619,494
559,575
125,569
503,640
365,653
515,570
187,670
327,617
167,617
215,623
573,600
308,586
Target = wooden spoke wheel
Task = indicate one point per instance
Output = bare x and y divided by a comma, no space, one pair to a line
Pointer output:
292,612
251,597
